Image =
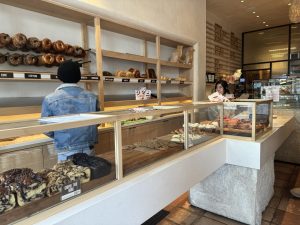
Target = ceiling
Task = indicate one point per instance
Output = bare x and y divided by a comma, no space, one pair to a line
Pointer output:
240,14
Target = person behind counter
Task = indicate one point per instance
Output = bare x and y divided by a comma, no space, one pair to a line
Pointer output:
69,98
221,93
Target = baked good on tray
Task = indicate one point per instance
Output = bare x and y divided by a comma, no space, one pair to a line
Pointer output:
99,167
7,199
25,184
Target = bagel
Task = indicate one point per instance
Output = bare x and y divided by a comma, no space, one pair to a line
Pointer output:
5,39
46,59
19,40
30,59
79,52
46,45
15,59
2,58
58,46
59,59
10,46
69,50
121,73
33,43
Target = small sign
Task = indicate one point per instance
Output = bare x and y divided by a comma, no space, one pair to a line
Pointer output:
32,76
125,80
181,82
70,190
53,77
93,78
153,81
84,78
6,75
141,80
111,79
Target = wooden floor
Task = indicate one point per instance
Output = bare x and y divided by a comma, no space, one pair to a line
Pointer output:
283,209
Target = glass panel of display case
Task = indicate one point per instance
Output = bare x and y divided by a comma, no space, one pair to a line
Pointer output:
295,42
266,45
44,169
237,119
279,69
148,135
257,66
295,67
247,119
204,122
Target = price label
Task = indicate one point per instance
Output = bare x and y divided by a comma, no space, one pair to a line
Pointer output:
141,80
53,77
125,80
32,76
70,190
153,81
181,82
111,79
6,75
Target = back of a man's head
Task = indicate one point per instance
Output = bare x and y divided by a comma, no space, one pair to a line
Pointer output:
69,72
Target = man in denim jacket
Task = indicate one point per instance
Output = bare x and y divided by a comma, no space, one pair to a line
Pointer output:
69,98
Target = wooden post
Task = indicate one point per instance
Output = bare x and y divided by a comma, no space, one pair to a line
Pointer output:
158,84
186,129
99,62
85,45
118,150
254,121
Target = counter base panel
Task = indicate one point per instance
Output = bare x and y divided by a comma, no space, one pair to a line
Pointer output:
236,192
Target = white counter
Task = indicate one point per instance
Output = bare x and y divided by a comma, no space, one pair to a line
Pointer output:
140,195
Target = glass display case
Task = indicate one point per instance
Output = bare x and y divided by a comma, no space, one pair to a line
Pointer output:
247,119
34,176
289,91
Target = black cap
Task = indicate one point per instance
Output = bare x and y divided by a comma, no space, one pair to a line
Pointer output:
69,72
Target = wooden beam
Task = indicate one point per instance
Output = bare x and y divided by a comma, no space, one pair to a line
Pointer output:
99,62
85,45
158,70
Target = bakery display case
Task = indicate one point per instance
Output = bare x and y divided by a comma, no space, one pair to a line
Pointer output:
204,122
247,119
34,177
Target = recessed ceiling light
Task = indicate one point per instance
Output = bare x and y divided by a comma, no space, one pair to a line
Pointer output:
261,33
253,12
290,3
267,25
264,22
257,16
242,0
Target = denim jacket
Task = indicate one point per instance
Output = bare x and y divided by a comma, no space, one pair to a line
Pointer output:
71,99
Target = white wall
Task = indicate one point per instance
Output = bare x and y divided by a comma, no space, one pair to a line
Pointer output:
184,19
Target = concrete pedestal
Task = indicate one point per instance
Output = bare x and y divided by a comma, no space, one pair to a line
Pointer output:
236,192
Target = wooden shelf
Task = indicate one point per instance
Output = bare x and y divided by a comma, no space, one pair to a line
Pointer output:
178,65
113,79
128,57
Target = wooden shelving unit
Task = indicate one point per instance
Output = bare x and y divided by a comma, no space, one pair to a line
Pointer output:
86,19
128,57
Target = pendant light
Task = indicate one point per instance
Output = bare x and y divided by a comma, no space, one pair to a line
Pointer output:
294,12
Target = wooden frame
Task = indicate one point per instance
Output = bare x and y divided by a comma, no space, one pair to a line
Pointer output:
89,19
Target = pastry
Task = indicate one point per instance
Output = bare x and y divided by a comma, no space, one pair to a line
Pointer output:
2,58
151,73
30,59
7,199
46,59
135,73
129,74
46,45
33,43
106,73
15,59
19,40
79,52
5,39
73,171
55,181
58,46
69,50
121,73
99,167
59,59
26,184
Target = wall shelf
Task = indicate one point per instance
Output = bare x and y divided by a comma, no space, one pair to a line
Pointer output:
128,57
177,65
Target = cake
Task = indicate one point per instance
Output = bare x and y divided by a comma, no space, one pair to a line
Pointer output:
7,199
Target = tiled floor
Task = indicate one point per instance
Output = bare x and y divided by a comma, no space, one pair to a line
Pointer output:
283,209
